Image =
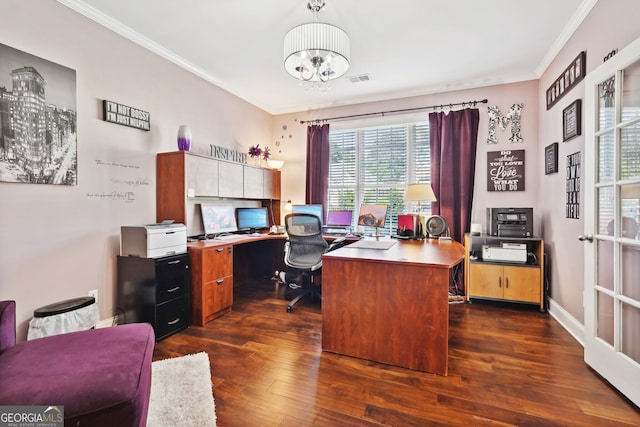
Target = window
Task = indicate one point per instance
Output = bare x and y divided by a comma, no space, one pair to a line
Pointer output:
374,165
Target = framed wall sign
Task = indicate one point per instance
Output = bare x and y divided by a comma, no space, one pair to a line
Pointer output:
567,80
573,185
571,120
505,170
551,159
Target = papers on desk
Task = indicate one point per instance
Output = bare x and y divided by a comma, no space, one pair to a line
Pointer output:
372,244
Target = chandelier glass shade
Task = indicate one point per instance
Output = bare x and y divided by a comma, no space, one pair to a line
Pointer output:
316,52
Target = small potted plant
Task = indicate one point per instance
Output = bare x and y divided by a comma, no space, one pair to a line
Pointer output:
255,152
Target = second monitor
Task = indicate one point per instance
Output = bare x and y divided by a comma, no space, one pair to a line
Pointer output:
373,216
252,220
314,209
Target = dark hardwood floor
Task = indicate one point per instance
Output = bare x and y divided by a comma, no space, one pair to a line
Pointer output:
507,366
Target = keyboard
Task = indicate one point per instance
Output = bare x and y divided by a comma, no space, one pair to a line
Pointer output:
335,234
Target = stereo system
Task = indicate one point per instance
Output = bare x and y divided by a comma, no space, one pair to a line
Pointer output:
510,222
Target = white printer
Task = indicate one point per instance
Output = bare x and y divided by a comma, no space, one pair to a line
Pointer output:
153,240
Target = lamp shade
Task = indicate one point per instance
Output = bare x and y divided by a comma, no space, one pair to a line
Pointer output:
419,193
275,164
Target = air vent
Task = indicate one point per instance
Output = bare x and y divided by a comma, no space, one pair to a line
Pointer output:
359,78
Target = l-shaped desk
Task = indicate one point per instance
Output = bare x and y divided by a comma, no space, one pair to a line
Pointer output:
385,305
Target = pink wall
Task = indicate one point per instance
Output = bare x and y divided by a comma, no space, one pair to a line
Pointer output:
611,24
58,242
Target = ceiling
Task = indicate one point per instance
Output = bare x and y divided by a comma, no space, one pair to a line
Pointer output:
406,47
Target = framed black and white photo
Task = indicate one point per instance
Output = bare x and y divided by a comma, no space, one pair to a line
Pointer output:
551,159
571,120
38,133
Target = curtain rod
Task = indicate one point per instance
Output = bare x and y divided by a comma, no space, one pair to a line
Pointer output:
382,113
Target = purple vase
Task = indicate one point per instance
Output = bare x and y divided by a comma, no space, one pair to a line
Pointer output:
184,138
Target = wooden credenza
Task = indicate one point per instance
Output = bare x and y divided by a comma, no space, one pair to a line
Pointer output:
511,282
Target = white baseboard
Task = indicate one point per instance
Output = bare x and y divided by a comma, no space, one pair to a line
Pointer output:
110,321
575,328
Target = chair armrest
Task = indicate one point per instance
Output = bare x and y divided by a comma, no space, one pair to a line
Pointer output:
337,243
7,325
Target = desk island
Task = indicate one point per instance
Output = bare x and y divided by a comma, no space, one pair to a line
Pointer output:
390,305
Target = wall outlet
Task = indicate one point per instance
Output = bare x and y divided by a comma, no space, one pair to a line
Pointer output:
94,293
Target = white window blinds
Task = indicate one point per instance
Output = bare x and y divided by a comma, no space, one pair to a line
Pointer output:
374,165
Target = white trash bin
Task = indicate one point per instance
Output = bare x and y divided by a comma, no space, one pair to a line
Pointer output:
77,314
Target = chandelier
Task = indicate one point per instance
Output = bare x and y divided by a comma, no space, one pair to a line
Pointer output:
316,52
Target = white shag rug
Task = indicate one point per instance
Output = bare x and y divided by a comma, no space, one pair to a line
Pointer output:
182,392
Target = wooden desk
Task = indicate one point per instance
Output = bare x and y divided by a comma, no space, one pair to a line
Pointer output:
392,305
217,265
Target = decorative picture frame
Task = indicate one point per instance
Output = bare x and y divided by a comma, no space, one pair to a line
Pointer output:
570,77
572,120
551,159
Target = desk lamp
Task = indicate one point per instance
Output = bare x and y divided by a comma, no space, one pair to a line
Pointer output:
419,193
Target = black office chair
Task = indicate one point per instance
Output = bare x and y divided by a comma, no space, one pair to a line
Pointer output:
303,252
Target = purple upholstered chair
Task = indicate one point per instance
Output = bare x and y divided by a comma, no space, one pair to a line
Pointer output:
102,377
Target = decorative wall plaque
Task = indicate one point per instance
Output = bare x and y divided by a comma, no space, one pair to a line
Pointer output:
567,80
572,120
573,185
124,115
505,170
551,159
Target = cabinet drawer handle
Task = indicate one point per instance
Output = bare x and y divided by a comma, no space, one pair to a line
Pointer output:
177,288
506,281
174,262
219,281
499,282
219,249
173,322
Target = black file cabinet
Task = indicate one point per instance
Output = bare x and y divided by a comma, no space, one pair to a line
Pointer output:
155,290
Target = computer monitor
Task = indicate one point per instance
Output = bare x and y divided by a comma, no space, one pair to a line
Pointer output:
339,218
372,216
310,209
252,219
218,219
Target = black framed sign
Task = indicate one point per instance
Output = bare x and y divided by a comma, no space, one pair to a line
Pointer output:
567,80
551,159
505,170
571,120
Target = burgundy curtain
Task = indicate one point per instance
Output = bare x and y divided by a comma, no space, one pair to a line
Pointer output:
317,164
454,138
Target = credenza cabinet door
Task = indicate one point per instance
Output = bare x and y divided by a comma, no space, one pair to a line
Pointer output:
202,176
487,281
253,182
231,180
271,188
521,284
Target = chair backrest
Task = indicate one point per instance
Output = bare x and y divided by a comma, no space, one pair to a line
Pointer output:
7,325
305,244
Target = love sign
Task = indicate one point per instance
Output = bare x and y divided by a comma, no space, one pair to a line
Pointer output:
505,170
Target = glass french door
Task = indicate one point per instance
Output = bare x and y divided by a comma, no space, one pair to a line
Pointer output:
612,220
